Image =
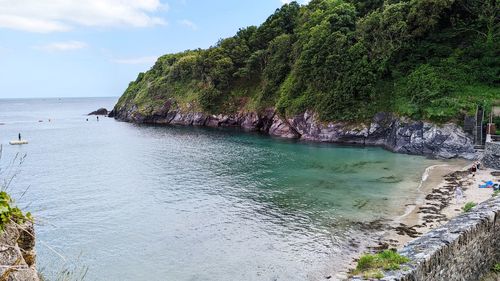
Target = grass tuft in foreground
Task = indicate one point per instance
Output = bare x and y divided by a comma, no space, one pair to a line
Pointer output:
9,212
371,266
468,207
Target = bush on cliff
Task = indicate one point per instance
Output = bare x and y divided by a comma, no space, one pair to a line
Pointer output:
10,213
344,59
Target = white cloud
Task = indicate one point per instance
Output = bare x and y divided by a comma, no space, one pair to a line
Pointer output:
62,46
139,60
62,15
28,24
189,24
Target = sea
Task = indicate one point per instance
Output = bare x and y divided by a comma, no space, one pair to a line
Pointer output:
120,201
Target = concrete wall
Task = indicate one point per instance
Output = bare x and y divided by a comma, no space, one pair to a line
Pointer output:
464,249
491,157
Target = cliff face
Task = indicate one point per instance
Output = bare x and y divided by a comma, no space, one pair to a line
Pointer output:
396,134
336,61
17,253
491,157
343,59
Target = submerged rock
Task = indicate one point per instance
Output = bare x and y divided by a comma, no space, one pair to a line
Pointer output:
390,179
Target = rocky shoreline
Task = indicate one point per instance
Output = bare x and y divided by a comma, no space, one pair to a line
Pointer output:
397,134
440,203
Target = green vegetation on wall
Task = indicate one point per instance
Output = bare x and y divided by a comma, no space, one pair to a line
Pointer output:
371,266
345,59
10,213
469,206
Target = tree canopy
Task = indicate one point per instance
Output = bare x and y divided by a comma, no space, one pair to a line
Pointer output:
344,59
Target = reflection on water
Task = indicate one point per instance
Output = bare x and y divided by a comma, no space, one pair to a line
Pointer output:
171,203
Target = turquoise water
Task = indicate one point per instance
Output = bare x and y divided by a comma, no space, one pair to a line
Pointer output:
170,203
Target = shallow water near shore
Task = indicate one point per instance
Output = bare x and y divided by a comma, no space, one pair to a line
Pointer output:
172,203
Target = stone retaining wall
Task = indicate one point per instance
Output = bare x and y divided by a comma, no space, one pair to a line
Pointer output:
464,249
17,253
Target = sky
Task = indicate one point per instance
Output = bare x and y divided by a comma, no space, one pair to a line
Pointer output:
94,48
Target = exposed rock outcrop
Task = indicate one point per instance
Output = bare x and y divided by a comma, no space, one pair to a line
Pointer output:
17,253
396,134
111,114
281,128
100,111
491,157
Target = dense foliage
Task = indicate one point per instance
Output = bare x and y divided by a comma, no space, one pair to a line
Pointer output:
345,59
9,213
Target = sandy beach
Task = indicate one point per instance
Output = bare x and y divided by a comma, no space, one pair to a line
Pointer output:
437,203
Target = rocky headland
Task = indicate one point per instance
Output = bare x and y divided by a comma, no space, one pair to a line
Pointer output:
397,134
100,111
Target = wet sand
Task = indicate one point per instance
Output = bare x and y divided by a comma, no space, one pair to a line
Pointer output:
437,203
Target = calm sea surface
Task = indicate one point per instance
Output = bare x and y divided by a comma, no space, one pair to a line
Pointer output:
169,203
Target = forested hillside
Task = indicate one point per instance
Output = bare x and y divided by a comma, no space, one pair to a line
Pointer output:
344,59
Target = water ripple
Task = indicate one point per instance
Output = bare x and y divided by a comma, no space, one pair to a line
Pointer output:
172,203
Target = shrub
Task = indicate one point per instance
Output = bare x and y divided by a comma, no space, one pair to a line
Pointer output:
9,213
496,268
468,207
370,266
366,262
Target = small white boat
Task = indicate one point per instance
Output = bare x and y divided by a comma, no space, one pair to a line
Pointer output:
18,142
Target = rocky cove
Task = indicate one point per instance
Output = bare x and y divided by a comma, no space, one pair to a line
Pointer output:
397,134
304,192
